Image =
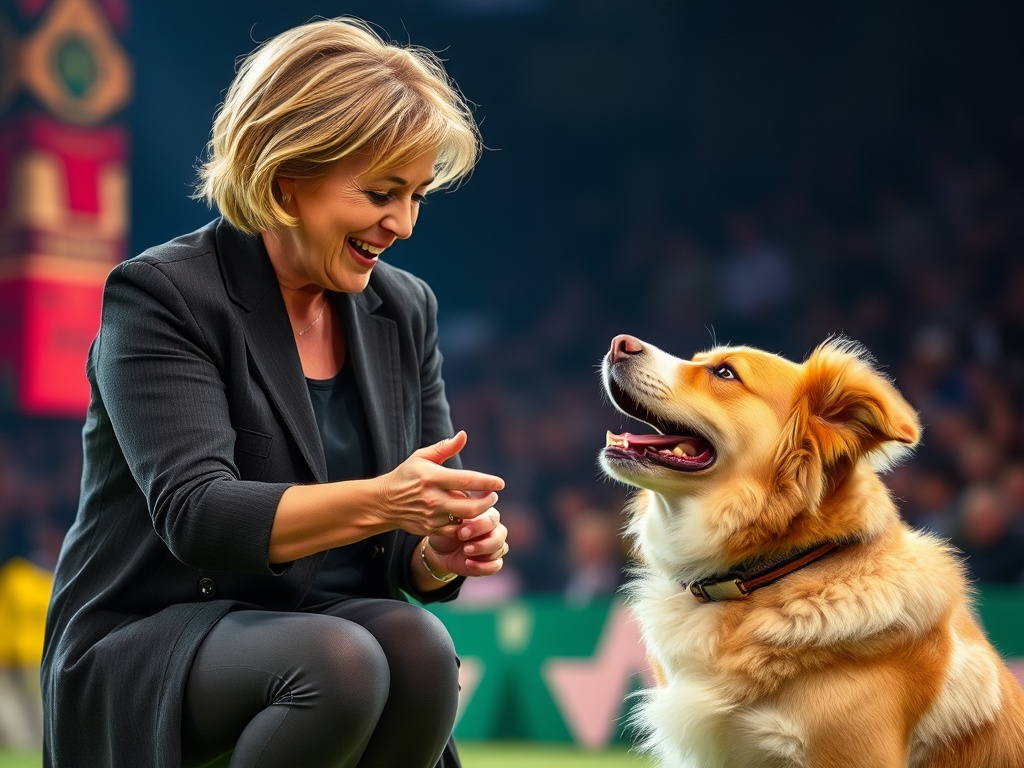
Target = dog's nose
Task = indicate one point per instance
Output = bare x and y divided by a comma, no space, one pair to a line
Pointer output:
624,346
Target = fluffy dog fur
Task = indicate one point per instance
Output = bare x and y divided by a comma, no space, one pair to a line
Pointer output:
870,657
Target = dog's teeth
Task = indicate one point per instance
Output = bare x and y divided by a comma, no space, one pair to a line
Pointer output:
616,441
685,449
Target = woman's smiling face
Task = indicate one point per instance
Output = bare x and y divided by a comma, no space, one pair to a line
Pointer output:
347,218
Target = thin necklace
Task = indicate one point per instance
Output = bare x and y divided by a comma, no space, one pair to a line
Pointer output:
317,320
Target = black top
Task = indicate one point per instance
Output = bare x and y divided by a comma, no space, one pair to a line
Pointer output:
341,419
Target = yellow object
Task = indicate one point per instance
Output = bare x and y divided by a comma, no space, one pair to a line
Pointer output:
24,597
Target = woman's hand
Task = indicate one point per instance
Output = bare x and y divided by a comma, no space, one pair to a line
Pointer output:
419,496
476,549
422,497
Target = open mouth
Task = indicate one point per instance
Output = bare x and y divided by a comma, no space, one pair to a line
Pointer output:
365,250
676,446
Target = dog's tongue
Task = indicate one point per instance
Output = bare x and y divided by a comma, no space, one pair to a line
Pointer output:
678,445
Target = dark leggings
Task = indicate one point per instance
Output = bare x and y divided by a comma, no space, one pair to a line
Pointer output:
363,683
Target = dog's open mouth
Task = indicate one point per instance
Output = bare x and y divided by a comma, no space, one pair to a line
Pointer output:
676,447
685,453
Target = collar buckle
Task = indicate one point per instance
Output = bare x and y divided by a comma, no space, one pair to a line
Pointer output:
707,591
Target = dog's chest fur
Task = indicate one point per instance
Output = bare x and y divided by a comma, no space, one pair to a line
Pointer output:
729,669
698,717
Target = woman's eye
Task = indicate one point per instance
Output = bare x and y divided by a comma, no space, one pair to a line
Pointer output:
725,372
385,198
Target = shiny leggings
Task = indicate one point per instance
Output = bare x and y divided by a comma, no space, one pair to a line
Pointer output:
363,683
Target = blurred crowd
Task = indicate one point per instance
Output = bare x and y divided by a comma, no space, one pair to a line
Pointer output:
916,251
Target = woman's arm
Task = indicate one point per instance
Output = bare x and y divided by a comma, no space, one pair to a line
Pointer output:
418,496
161,381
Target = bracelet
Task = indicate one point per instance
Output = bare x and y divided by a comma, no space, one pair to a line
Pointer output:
445,578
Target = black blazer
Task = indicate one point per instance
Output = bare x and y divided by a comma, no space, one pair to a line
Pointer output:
198,422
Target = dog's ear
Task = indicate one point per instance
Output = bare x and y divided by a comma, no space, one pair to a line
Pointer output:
852,410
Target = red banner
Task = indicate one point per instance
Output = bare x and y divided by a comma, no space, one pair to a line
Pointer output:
63,197
54,323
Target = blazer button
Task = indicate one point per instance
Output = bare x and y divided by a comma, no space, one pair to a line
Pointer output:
207,586
378,550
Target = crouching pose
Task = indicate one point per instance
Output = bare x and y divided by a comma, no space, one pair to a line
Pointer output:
270,468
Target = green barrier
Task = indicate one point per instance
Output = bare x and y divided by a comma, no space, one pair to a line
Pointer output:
541,670
1002,615
538,669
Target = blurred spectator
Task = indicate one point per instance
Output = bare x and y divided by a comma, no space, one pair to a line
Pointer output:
758,283
978,459
907,235
1009,319
931,505
595,564
994,550
680,296
1011,485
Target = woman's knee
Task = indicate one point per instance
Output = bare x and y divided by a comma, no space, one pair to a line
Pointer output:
346,669
414,635
330,674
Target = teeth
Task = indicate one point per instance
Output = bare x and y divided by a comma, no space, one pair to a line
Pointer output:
685,449
367,247
612,440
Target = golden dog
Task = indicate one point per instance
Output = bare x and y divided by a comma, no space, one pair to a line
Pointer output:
792,618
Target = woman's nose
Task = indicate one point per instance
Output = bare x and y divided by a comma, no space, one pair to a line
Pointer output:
401,221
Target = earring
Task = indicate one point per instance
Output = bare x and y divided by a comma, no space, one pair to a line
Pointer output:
285,198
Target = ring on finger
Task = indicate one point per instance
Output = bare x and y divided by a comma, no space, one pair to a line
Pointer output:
453,519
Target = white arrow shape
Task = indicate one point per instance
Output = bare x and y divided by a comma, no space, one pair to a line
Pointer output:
471,669
589,692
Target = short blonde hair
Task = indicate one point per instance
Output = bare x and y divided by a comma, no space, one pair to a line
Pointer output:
319,92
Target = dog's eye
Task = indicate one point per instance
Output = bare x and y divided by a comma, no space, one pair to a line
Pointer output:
725,372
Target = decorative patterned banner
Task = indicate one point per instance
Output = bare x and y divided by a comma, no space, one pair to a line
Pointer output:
74,64
63,195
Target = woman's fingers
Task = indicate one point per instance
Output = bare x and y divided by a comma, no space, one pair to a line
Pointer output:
487,564
469,509
469,482
491,546
443,450
481,555
479,525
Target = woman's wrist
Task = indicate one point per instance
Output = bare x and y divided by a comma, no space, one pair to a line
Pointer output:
428,565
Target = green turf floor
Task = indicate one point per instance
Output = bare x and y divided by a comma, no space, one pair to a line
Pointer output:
474,755
491,755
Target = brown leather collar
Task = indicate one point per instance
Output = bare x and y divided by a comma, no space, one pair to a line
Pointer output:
734,586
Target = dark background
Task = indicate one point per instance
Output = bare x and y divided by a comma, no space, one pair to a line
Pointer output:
751,172
607,117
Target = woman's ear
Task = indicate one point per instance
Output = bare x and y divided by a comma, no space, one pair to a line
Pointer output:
284,187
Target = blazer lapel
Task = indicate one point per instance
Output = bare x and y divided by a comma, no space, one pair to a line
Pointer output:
373,352
252,285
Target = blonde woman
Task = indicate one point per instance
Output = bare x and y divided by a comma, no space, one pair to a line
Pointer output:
270,468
